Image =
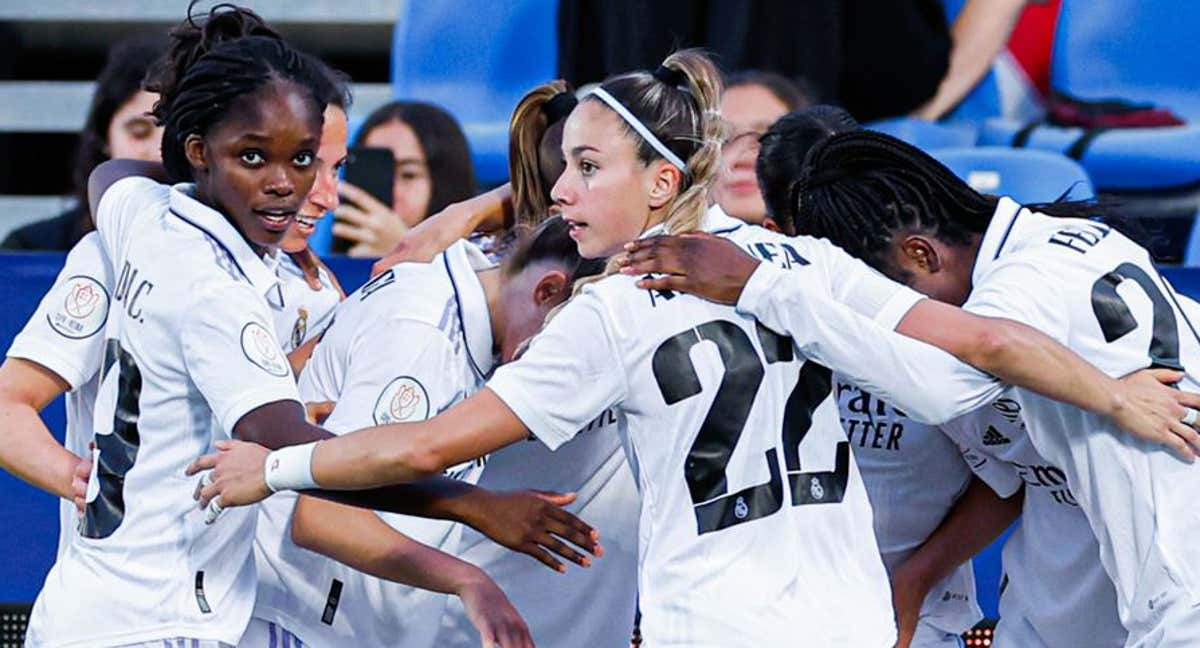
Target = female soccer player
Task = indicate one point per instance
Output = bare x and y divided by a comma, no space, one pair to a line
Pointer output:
191,353
913,219
441,321
730,550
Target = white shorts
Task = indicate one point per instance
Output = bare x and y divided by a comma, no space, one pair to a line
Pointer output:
268,634
177,642
927,636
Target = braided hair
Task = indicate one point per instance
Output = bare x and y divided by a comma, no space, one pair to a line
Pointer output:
783,149
209,65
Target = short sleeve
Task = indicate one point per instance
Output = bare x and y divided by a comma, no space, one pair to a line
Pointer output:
1022,290
231,354
66,332
120,204
1001,476
863,289
413,381
571,373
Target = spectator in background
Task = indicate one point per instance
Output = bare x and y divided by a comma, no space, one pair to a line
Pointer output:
118,126
433,170
753,100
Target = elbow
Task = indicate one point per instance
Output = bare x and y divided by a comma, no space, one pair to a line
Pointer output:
990,347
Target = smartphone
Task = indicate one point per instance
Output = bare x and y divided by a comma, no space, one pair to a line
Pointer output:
372,170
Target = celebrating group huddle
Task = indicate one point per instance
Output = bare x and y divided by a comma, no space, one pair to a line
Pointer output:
690,388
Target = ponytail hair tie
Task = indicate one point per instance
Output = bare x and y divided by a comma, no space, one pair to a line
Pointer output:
670,76
559,106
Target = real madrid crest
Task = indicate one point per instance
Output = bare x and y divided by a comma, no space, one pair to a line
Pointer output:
300,328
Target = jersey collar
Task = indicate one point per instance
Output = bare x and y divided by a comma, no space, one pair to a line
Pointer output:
999,236
462,261
716,221
258,271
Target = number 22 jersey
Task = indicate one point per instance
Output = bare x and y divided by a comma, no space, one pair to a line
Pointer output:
755,526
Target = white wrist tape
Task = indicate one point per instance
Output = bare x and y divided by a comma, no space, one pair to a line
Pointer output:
290,468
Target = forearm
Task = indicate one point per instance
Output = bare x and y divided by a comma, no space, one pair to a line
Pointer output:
976,519
979,35
366,543
29,451
438,498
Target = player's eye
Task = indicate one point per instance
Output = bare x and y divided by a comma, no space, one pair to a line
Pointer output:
304,159
587,167
252,158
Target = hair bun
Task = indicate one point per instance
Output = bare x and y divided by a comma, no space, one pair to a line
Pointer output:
559,106
670,76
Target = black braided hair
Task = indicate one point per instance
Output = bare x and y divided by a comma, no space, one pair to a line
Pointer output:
785,146
209,65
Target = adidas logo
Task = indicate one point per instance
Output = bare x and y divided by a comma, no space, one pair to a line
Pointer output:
993,437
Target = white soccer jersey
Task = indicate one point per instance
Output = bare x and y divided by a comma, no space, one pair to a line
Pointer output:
755,526
189,352
914,473
410,343
1098,293
64,335
1053,578
305,312
593,465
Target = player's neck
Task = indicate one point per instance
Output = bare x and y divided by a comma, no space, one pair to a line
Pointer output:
492,288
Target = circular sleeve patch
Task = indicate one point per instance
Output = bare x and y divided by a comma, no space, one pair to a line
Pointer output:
263,351
80,308
404,399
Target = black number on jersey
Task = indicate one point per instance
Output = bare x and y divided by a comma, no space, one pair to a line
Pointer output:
118,450
707,459
1116,319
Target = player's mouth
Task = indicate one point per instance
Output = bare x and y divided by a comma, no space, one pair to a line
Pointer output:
307,223
576,228
275,219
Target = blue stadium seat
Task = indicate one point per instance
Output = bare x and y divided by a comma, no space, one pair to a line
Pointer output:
1027,176
1129,159
476,59
926,134
1140,50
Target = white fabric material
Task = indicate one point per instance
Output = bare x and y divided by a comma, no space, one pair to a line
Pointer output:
408,344
66,335
190,324
290,468
914,473
1080,282
306,312
637,125
1051,560
763,571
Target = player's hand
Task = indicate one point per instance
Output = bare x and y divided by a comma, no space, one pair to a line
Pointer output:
534,523
428,239
371,226
1154,412
81,478
237,477
493,615
908,594
697,263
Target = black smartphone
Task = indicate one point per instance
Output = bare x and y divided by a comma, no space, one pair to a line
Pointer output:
373,170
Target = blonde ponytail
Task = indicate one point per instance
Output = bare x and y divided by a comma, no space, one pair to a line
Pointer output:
528,125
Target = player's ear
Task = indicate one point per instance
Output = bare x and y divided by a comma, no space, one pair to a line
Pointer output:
665,183
922,252
552,288
195,151
769,223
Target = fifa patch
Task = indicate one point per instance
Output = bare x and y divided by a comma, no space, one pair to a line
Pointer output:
404,399
262,350
300,329
80,308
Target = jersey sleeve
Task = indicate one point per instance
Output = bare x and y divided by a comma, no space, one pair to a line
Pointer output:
232,355
1020,289
65,333
1001,476
398,370
571,373
120,204
862,288
928,383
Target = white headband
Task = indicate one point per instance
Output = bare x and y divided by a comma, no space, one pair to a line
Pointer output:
638,126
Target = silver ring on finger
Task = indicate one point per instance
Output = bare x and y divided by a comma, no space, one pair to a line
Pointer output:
1191,417
214,510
